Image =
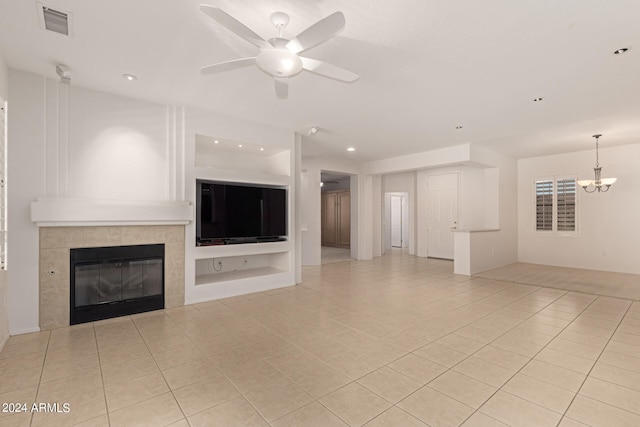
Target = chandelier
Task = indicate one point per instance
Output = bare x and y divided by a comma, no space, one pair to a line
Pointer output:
597,184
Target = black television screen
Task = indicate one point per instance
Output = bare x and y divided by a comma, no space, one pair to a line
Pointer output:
240,213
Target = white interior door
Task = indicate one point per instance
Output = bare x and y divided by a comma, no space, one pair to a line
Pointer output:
442,214
396,221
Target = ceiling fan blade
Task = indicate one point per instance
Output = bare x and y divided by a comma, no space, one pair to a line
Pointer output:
317,33
328,70
233,25
228,65
282,87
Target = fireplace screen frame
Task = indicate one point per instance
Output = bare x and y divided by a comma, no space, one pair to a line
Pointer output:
115,255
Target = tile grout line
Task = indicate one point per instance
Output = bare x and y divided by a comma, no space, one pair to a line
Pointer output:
219,371
468,356
594,365
46,351
449,333
158,366
104,387
506,332
519,370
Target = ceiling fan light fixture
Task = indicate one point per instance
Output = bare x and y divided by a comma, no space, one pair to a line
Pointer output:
278,57
279,62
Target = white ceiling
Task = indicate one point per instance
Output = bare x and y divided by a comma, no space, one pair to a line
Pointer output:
426,66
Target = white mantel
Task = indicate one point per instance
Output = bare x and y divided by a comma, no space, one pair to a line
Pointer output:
61,212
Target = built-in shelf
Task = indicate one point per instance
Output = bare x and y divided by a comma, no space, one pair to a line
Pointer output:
207,279
202,252
226,267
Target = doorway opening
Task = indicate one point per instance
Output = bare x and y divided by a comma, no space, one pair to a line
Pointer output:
396,220
335,217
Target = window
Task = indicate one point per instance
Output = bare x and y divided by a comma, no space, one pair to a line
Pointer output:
555,205
566,201
544,205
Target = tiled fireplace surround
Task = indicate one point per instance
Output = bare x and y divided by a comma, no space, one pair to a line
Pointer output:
56,242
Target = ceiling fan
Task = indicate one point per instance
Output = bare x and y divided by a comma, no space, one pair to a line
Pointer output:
278,56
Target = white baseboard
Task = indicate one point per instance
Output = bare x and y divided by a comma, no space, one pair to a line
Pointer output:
25,331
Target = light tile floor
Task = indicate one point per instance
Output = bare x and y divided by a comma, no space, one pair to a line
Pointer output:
330,255
396,341
619,285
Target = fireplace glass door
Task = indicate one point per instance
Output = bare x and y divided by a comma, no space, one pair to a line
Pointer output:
115,281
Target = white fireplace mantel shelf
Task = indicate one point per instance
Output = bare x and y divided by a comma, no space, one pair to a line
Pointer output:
66,212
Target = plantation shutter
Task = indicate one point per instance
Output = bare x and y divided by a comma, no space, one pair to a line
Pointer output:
544,205
566,199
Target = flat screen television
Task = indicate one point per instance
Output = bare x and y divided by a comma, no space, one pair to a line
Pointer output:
230,213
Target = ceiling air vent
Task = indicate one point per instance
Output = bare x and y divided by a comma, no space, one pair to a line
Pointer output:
54,20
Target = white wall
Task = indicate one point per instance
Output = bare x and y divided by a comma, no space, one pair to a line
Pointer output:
4,318
608,234
71,142
495,249
118,148
311,200
26,170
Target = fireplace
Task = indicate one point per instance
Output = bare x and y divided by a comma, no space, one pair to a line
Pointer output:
115,281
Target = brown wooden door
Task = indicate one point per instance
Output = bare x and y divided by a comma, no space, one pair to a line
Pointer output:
329,216
336,219
344,219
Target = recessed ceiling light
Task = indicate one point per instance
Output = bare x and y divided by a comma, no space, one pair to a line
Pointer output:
261,149
351,149
537,99
216,141
130,77
458,127
239,145
621,50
